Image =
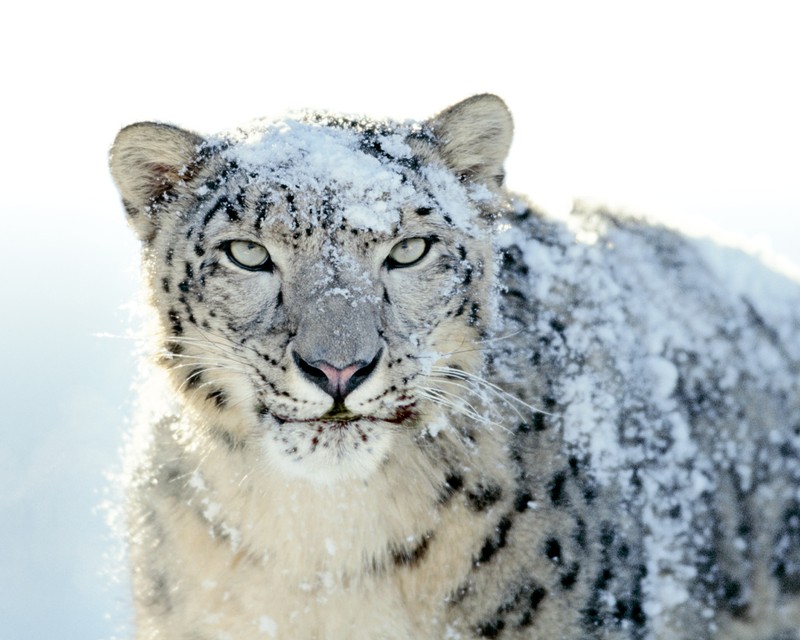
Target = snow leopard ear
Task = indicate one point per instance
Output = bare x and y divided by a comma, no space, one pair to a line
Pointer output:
148,160
474,137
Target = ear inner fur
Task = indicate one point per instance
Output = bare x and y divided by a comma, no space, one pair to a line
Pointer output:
475,136
147,161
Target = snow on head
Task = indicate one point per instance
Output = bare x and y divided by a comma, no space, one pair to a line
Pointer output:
360,170
309,157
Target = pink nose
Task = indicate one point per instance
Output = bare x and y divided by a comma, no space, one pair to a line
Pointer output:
336,382
338,378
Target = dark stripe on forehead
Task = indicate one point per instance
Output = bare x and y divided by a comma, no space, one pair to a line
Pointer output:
215,208
233,211
263,207
290,202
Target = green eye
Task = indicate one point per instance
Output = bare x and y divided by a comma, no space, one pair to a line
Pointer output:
248,255
408,252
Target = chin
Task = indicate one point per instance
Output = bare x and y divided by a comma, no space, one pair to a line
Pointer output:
327,451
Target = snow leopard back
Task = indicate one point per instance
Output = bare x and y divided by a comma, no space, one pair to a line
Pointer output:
407,405
677,407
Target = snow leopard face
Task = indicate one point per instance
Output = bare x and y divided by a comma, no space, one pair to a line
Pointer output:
319,281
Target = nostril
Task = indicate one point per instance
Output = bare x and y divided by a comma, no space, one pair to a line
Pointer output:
361,374
312,373
336,382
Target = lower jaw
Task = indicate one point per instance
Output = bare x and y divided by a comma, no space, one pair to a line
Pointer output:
328,452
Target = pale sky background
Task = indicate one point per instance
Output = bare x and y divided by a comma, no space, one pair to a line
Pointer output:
682,110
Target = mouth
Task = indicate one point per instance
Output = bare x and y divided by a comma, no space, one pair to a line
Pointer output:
336,445
341,418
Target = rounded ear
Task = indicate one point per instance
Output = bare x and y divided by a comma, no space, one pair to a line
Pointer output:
147,161
474,137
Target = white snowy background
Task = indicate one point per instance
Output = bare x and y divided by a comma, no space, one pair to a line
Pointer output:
683,110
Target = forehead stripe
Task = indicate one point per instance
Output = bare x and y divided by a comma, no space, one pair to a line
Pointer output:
222,202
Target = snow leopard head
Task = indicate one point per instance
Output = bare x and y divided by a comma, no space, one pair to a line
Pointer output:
319,280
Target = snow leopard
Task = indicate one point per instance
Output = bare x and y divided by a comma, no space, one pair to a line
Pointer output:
405,403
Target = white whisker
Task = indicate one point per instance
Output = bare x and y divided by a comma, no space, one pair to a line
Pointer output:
499,338
493,388
457,403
